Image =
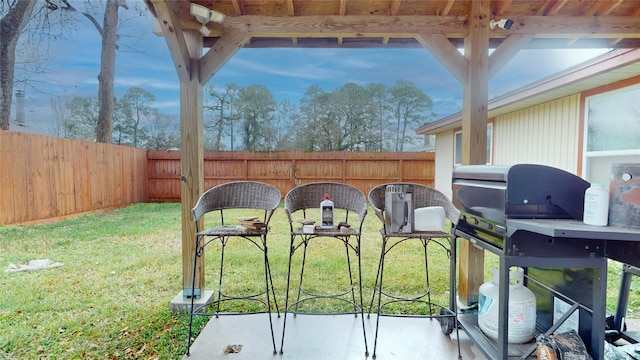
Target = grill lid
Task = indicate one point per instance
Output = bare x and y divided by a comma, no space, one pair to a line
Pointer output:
519,191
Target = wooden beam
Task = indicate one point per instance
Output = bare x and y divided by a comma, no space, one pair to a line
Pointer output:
576,26
448,55
346,26
448,26
174,36
507,50
474,136
191,162
220,53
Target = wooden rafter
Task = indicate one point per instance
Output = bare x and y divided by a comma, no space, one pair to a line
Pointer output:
500,7
393,8
238,7
551,7
446,8
290,8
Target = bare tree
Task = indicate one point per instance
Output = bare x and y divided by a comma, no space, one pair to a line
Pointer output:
11,26
412,108
106,97
222,106
137,111
83,118
163,132
62,115
15,16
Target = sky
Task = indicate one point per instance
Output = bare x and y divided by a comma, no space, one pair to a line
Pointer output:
143,60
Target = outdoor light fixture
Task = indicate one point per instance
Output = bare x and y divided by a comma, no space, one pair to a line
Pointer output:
204,16
502,24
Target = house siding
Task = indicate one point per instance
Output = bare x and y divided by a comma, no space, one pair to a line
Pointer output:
546,134
444,162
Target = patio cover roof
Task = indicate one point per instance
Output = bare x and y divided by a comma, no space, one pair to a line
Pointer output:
440,26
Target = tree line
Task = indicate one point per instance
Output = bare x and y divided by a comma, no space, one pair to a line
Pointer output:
46,17
353,117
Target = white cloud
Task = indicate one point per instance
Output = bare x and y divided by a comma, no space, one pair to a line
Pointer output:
148,83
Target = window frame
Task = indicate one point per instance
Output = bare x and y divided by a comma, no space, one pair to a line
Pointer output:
457,144
590,157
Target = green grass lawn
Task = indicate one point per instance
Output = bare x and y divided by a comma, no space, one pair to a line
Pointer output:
123,267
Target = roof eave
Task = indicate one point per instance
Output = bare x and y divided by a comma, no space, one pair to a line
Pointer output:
513,100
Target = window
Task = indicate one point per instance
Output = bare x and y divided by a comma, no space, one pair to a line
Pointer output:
612,132
457,151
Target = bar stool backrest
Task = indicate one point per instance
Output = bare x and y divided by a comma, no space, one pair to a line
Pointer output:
309,196
423,196
239,195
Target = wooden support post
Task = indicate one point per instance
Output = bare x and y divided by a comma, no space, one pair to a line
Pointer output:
474,135
191,160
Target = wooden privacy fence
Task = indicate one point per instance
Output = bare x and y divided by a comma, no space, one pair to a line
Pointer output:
287,169
45,177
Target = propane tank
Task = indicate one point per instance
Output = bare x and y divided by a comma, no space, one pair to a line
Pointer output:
522,308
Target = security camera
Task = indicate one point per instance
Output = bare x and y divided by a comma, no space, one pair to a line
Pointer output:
502,24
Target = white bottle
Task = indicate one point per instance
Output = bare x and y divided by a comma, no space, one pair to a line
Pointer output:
326,213
596,205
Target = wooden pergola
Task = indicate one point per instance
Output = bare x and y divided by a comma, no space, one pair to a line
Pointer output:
440,26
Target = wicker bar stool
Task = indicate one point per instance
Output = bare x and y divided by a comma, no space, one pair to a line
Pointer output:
350,204
254,198
422,197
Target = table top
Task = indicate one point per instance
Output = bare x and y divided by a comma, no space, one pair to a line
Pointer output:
569,228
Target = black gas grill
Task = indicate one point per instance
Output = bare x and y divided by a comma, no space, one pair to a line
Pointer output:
498,203
488,195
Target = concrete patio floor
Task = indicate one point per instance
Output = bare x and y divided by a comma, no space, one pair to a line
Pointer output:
321,337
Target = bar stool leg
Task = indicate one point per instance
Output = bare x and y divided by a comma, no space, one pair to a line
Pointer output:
267,277
353,294
224,243
304,261
381,267
364,331
193,295
286,300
